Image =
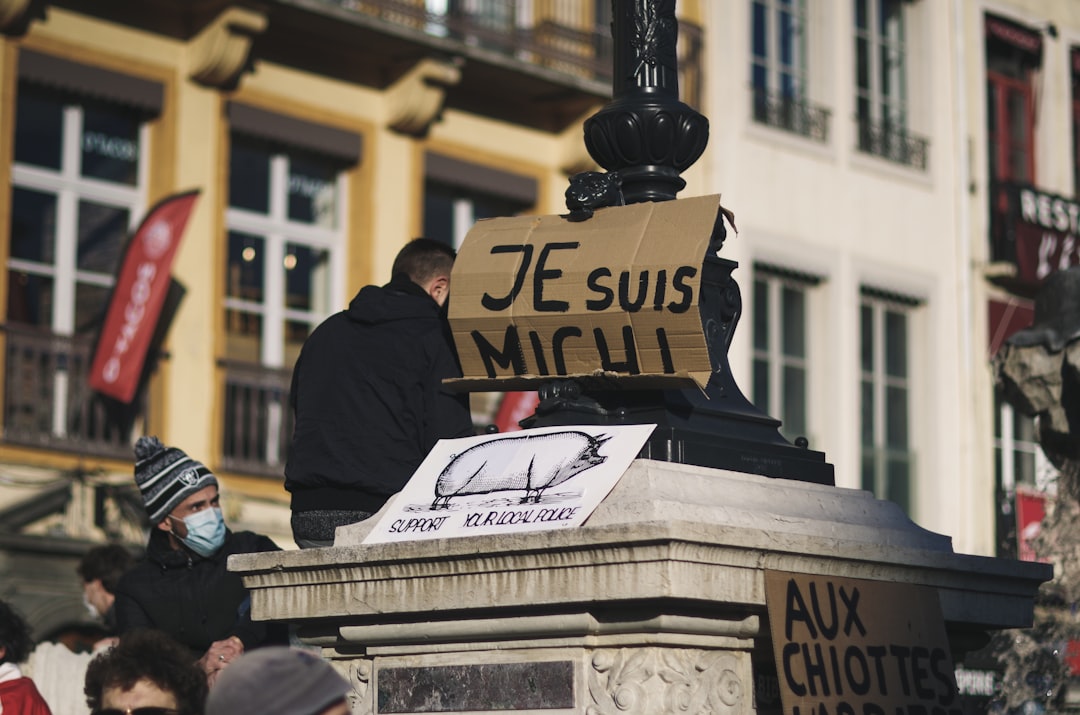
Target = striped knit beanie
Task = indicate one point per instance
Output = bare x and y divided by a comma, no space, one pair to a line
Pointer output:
166,476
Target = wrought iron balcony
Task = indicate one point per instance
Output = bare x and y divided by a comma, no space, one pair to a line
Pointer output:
792,115
893,143
258,423
560,35
48,404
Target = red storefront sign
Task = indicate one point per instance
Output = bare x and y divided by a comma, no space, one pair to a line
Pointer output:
1044,230
1030,510
141,287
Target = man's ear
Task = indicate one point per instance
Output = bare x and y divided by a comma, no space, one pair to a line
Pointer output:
439,289
164,525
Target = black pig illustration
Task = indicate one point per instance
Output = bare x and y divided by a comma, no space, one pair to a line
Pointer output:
531,463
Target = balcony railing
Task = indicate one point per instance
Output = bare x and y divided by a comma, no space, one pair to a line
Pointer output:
792,115
556,34
258,422
48,404
893,143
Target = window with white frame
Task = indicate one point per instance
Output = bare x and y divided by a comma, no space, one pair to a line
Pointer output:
78,189
888,460
778,54
285,239
881,82
781,352
778,51
285,227
1018,462
1017,455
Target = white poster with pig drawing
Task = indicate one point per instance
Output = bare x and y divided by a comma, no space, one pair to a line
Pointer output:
536,479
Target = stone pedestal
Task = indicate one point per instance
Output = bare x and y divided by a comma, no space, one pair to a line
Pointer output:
656,605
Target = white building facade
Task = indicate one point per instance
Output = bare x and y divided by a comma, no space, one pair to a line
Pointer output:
862,145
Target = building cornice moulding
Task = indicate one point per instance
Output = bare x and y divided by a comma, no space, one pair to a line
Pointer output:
16,15
221,52
416,100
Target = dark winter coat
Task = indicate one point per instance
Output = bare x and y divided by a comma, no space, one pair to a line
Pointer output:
195,600
368,399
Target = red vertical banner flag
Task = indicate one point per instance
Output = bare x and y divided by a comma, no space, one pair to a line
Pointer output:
141,286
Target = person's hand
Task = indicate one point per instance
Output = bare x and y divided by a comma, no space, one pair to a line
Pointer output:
218,656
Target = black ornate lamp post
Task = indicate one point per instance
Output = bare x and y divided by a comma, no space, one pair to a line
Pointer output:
645,133
647,137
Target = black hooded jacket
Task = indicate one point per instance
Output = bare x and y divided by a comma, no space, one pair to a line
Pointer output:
193,599
368,399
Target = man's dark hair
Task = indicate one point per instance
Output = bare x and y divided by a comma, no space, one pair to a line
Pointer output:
107,563
154,656
14,635
423,259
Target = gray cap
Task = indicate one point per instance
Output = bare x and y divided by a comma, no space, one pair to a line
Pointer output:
276,681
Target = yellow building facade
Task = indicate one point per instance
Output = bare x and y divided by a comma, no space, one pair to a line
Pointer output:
321,136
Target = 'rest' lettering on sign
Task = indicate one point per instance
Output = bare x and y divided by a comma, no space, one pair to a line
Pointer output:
853,647
138,296
613,297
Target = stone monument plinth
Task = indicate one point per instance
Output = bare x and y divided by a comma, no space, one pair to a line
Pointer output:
655,605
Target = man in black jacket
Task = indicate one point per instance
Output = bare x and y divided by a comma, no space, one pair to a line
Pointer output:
183,587
368,397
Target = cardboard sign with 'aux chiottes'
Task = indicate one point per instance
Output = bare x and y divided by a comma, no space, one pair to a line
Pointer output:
612,298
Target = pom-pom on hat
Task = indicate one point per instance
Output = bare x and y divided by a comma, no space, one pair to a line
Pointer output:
166,476
276,681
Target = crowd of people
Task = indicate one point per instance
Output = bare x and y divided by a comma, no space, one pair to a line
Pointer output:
179,639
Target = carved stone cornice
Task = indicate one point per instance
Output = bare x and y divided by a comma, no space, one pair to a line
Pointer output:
16,15
221,53
416,100
636,681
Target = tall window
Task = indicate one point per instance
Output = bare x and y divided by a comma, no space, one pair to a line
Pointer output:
1010,116
881,82
880,63
887,456
780,350
78,188
778,57
1017,459
284,227
285,234
1013,53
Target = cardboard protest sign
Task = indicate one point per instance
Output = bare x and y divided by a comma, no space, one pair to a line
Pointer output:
853,647
544,478
615,296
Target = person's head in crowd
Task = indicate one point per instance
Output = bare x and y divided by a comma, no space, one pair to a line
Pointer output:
427,263
15,641
146,669
180,496
100,570
279,681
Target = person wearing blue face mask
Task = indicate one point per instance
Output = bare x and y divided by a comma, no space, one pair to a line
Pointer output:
183,586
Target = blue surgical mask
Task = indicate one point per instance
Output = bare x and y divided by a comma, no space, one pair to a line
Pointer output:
205,531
